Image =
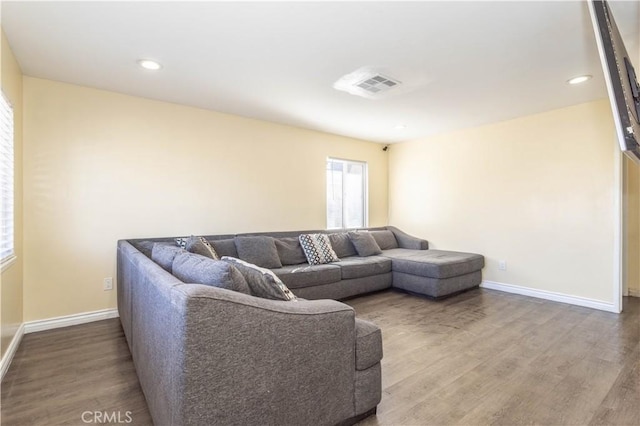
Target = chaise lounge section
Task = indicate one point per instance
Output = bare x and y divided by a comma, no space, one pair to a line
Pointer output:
435,273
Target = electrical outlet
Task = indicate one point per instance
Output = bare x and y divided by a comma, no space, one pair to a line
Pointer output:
107,284
502,265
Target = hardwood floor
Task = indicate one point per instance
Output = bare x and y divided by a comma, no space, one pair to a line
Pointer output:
487,357
61,375
482,357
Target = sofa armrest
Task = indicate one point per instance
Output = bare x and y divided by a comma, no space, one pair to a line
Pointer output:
368,344
246,360
407,241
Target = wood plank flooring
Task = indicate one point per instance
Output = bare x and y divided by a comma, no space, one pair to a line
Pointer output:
480,358
58,375
492,358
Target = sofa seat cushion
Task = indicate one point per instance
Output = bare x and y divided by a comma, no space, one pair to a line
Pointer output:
434,263
305,275
359,267
368,344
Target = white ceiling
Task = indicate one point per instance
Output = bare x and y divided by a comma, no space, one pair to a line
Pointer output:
469,63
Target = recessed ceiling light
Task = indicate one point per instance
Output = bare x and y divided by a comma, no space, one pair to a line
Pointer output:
580,79
400,126
148,64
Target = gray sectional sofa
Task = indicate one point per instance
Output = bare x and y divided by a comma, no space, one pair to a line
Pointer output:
206,355
405,263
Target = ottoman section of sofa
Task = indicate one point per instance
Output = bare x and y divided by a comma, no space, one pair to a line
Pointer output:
436,287
435,263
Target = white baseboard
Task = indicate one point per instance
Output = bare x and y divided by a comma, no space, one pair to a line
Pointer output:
69,320
550,295
5,362
634,293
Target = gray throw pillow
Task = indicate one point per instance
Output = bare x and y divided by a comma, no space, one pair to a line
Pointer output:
385,239
290,251
199,245
224,247
262,282
193,268
364,243
342,245
317,249
259,250
164,255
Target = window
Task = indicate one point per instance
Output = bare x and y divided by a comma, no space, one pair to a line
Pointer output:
346,194
6,180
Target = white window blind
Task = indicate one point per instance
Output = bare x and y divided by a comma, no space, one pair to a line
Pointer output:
6,179
346,194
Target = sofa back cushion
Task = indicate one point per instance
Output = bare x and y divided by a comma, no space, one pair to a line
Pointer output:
193,268
342,245
385,239
259,250
145,247
164,254
290,251
226,247
262,282
364,243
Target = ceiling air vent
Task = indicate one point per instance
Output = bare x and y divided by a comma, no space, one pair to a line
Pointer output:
366,82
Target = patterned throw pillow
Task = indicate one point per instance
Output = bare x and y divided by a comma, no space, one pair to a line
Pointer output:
317,249
262,282
199,245
181,241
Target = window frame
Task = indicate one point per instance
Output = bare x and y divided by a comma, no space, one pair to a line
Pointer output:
7,192
365,191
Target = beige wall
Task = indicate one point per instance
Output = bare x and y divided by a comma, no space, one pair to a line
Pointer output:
101,166
632,226
536,191
12,278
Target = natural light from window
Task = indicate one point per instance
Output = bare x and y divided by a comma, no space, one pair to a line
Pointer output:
346,194
6,180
